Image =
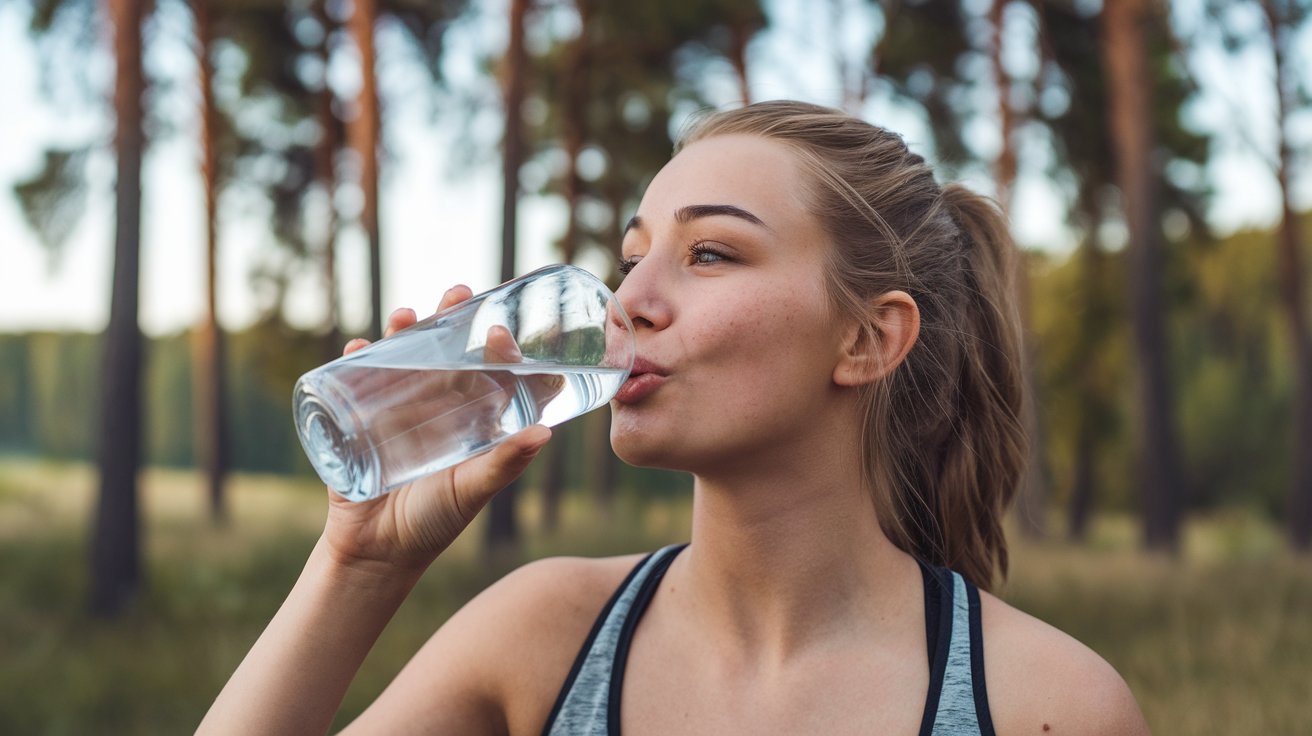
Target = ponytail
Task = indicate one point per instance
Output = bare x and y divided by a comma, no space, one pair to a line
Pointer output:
988,455
942,441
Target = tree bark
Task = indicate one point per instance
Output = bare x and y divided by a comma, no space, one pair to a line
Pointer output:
574,113
1124,57
116,544
364,133
212,423
1292,290
604,462
1084,484
1004,167
325,162
739,34
503,529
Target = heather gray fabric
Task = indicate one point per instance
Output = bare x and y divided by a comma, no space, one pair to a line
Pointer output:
956,705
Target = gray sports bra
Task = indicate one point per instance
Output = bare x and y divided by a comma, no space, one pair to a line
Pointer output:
589,702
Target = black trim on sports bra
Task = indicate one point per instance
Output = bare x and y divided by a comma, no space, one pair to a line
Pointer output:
636,612
938,637
982,713
582,656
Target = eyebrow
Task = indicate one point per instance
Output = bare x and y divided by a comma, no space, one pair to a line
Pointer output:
687,214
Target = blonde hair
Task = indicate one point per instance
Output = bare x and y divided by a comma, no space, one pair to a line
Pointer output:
943,446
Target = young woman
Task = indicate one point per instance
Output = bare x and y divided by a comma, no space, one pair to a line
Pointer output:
827,342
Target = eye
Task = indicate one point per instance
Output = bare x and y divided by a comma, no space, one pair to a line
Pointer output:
627,264
703,252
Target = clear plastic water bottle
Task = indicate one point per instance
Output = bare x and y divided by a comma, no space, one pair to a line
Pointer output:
541,349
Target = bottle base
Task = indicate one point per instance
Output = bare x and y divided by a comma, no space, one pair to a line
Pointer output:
333,448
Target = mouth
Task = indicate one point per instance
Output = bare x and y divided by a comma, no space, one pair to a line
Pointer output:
644,379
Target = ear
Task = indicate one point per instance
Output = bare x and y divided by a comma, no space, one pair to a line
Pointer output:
869,355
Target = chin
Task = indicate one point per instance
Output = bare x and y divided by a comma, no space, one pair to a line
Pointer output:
636,453
637,446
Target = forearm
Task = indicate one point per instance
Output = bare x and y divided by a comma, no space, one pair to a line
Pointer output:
294,678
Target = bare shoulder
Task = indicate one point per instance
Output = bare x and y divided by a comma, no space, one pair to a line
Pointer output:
497,665
1041,680
547,604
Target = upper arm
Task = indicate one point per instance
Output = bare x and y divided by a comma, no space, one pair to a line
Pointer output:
496,666
1043,681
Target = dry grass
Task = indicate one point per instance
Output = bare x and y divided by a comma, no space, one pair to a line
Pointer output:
1216,642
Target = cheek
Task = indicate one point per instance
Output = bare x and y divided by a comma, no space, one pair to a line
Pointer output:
756,334
763,355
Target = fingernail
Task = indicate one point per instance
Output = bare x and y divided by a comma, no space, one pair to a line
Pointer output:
546,437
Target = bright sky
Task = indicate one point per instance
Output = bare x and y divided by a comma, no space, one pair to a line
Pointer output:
441,227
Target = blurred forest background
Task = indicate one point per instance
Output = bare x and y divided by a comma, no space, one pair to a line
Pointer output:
154,503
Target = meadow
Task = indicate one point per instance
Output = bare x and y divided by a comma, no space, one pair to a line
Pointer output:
1215,641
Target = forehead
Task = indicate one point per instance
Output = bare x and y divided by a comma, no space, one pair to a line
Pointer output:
759,175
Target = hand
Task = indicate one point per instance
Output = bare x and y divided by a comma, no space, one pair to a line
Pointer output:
410,526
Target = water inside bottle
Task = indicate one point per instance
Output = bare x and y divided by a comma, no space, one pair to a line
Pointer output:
368,428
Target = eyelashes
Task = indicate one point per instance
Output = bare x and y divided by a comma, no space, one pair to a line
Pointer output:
700,252
704,253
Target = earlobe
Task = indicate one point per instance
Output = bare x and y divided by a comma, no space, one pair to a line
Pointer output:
873,351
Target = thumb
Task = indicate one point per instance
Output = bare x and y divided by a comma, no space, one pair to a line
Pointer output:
475,482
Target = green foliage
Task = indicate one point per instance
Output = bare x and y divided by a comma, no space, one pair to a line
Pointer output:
50,388
614,91
17,408
65,389
1085,373
922,53
1231,368
1236,387
53,198
1073,105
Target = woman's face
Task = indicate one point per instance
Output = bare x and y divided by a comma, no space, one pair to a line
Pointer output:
736,341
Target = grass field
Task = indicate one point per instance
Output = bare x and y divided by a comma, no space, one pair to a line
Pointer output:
1215,642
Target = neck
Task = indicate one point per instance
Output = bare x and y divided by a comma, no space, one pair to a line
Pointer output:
789,554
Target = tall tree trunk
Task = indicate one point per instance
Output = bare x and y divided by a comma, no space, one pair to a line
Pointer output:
1084,483
210,387
739,34
553,479
364,132
605,466
574,115
1004,167
116,544
503,529
1124,56
325,163
1292,296
1031,501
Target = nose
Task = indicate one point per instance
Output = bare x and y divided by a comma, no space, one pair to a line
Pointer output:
643,299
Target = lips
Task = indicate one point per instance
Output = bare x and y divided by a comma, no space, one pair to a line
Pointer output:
645,378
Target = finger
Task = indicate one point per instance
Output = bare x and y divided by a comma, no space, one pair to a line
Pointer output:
454,296
354,345
479,479
399,320
501,346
